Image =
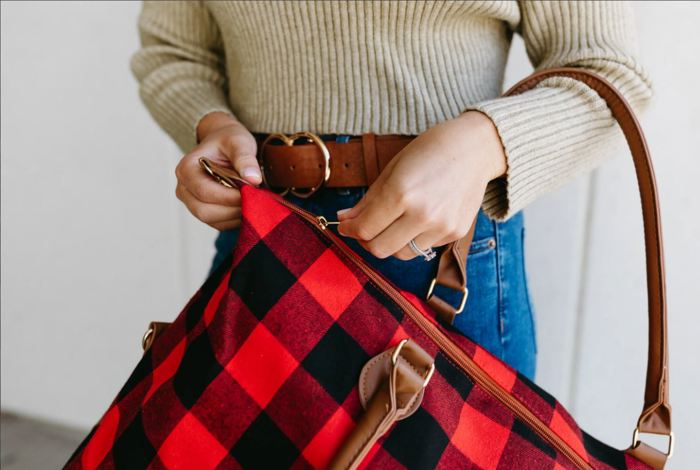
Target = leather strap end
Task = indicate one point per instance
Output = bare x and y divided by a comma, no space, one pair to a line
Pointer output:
452,273
369,154
446,313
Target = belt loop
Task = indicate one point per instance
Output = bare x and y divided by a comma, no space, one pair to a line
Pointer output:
369,152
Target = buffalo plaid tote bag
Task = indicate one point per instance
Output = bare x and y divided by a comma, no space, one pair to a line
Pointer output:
296,354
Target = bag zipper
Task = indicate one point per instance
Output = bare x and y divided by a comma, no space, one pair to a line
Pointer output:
453,351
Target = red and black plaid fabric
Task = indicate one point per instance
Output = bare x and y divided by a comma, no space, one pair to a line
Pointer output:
260,370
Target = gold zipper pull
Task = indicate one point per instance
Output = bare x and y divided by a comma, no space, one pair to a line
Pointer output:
324,223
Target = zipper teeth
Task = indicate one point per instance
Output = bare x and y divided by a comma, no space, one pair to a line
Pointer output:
453,351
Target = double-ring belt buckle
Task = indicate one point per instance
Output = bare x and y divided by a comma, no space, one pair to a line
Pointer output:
289,141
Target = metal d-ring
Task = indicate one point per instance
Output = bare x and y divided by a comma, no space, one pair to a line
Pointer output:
395,359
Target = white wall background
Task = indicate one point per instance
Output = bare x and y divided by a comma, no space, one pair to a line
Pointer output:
95,244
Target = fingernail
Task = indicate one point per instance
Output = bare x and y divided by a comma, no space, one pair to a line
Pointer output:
250,172
343,211
340,231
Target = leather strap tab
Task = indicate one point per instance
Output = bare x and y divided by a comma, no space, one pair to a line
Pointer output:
155,328
452,273
648,455
372,377
394,399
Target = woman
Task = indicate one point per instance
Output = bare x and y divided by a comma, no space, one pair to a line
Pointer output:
220,76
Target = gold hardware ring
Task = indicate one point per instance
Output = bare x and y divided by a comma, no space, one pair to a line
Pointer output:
395,358
289,141
462,303
146,337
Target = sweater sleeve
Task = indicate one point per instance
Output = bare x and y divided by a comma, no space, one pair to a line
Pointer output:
179,67
562,128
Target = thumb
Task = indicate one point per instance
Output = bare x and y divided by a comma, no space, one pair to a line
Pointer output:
247,166
241,151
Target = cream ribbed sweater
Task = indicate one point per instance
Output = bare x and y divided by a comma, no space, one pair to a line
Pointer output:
395,67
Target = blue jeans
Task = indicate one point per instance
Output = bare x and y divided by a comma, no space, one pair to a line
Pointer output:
498,314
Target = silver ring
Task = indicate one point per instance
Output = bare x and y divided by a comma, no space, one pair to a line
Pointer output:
426,254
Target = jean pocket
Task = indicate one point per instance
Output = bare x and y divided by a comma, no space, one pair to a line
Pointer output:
480,320
482,245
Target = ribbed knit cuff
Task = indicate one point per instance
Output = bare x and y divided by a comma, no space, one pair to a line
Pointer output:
550,134
178,101
181,76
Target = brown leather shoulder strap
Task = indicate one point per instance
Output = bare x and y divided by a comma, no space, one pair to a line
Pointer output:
656,415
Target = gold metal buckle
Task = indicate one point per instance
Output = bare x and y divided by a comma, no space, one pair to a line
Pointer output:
462,303
636,441
395,358
289,141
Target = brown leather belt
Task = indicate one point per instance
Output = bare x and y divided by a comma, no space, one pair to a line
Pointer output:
306,162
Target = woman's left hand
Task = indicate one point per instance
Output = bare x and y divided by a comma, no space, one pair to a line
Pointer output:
430,191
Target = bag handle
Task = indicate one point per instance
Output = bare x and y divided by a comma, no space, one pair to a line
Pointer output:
656,415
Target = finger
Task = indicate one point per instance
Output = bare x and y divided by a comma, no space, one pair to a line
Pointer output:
375,216
222,226
433,238
394,237
350,212
454,231
425,241
207,213
373,191
189,173
241,149
205,189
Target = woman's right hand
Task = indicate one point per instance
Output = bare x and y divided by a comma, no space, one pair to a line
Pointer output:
226,142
